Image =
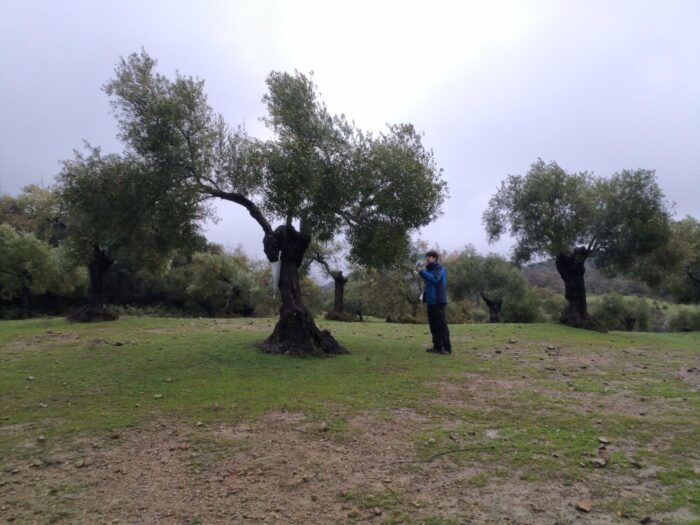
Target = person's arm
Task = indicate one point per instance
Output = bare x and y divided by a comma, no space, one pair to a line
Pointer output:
431,277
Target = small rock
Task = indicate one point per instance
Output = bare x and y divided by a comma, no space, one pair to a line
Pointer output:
551,347
599,462
168,380
30,378
323,427
41,439
377,511
81,464
603,440
584,505
200,424
431,441
158,396
512,341
42,405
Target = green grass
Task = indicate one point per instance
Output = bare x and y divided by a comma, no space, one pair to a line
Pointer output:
62,381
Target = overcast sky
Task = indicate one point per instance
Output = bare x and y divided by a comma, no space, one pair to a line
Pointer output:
594,85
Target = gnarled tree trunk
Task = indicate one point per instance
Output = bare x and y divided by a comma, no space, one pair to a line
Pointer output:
339,292
296,332
494,306
95,310
571,268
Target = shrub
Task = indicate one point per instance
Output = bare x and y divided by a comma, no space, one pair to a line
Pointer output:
341,316
686,320
616,312
551,303
523,309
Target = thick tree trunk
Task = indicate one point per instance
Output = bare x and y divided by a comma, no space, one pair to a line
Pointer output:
494,308
339,293
296,332
95,311
572,268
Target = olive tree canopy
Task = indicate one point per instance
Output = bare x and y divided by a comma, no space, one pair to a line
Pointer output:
618,221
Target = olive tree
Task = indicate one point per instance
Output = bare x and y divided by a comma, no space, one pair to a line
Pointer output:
317,176
572,217
122,207
491,277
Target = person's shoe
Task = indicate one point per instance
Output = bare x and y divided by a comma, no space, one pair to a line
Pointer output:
446,352
433,350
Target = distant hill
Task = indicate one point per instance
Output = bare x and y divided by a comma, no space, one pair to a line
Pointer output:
545,275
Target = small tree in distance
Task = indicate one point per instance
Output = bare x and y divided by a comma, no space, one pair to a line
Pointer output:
618,222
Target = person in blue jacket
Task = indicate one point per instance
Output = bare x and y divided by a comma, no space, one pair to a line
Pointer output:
435,297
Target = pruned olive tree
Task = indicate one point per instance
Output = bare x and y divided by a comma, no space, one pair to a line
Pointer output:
316,177
491,277
572,217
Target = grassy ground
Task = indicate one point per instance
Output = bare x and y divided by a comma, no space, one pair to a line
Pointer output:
504,431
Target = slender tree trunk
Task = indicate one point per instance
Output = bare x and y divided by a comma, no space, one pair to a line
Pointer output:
572,268
339,296
296,332
494,308
95,310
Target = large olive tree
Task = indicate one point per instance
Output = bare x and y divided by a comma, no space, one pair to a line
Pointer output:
317,176
617,221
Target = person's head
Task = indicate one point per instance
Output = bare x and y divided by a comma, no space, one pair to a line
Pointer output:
431,256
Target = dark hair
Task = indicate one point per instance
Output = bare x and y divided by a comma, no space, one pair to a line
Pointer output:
432,253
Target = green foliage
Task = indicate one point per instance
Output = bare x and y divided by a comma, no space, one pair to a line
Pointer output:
219,282
616,312
471,274
31,264
318,169
522,308
549,212
35,210
551,303
121,205
683,251
686,320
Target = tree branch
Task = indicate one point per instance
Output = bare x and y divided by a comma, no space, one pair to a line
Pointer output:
246,203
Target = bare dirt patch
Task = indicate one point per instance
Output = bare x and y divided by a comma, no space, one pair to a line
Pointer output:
38,343
289,468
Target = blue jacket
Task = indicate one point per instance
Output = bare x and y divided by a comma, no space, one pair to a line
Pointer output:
435,279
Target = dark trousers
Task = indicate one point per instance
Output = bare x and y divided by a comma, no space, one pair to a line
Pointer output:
438,327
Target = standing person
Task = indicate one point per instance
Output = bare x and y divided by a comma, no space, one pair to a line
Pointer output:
435,297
